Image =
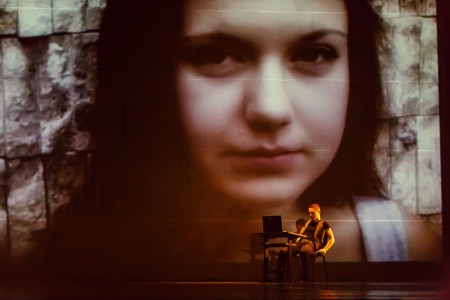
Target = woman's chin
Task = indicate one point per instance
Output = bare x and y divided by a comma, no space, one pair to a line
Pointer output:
257,197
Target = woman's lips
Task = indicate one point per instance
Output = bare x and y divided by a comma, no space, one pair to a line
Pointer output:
262,161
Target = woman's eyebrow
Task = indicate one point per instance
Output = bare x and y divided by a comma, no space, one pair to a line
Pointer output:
234,41
318,34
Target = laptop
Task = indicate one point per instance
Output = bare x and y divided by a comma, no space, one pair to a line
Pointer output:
272,224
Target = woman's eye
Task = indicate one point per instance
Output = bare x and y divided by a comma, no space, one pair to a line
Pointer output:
314,54
212,60
313,59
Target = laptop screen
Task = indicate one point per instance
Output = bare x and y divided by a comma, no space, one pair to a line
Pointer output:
272,224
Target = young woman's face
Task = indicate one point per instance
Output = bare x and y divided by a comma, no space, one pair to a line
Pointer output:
263,91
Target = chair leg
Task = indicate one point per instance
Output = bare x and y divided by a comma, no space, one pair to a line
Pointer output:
324,269
300,272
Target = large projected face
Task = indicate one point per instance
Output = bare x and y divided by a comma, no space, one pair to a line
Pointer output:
264,89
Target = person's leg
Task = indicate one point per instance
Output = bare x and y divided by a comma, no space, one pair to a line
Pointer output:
305,251
281,265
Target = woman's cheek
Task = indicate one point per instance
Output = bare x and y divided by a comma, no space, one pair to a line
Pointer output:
320,111
207,108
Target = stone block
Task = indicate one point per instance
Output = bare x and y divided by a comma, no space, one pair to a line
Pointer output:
402,57
2,124
68,20
78,4
94,12
34,18
65,178
60,110
22,128
55,60
8,3
408,7
402,98
97,3
67,90
388,8
35,3
428,165
429,103
403,136
403,183
429,98
16,61
428,47
56,115
426,7
26,204
8,19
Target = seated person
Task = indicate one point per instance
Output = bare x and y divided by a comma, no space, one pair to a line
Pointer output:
319,239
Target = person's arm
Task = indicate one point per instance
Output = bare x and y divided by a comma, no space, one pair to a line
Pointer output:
330,242
302,232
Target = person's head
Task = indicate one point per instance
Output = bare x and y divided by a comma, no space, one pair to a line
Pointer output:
263,98
314,212
266,106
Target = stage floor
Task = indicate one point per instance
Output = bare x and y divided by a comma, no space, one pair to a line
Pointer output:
221,290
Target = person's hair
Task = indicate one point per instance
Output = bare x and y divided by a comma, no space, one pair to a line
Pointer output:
140,146
315,207
353,170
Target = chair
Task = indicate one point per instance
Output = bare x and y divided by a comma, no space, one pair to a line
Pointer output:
316,255
324,262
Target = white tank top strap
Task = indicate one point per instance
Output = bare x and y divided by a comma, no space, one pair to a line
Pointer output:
382,229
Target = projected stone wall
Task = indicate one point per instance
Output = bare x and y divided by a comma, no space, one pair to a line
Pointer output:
48,79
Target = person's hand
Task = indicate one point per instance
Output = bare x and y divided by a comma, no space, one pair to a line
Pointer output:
321,252
303,241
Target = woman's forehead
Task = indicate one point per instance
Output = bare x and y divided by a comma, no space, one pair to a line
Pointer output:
280,16
314,6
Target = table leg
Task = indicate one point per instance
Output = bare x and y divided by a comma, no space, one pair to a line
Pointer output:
265,262
288,261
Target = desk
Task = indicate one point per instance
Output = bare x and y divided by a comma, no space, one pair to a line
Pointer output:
289,236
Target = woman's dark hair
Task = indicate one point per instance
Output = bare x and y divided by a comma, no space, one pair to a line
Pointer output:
138,138
353,170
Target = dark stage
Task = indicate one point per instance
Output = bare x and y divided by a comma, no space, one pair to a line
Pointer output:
222,290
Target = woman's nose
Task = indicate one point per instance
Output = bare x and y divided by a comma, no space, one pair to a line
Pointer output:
267,105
